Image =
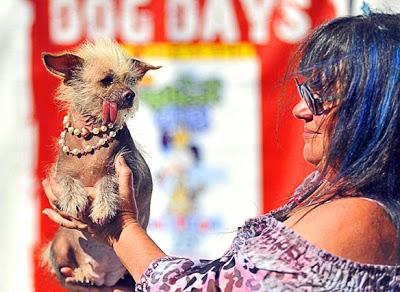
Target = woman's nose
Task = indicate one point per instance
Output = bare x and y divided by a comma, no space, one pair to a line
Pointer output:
302,112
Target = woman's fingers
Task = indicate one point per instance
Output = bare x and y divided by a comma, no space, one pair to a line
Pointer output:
51,188
124,177
80,225
64,222
56,217
126,191
49,193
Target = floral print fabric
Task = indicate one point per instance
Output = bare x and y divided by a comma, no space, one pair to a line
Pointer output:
268,256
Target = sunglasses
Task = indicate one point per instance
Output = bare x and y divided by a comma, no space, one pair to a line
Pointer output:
316,105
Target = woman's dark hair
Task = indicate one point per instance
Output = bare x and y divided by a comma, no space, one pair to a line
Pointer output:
357,60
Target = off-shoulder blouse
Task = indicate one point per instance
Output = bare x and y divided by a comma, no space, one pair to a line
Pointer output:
266,255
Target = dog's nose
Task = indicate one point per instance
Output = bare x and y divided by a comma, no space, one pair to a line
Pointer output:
128,96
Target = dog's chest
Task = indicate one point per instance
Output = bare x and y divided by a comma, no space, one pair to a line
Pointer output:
89,168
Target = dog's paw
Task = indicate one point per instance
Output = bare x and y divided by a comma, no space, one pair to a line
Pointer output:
81,278
72,204
106,203
74,198
101,213
98,217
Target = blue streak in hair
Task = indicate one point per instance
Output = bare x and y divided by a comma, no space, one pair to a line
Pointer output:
364,117
393,78
366,9
305,67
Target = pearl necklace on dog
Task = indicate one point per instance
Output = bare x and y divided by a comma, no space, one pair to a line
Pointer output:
84,132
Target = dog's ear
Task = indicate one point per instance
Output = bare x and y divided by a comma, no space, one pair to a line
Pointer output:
64,66
142,67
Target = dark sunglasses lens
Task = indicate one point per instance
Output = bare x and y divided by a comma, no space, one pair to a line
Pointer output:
319,108
309,99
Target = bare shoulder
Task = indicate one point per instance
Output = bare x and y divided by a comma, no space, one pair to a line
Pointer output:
353,228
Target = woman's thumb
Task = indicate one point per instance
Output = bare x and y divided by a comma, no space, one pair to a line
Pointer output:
124,176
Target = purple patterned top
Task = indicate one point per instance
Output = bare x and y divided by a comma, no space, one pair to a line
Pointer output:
268,256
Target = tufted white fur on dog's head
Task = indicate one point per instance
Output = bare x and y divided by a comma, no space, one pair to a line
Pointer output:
99,80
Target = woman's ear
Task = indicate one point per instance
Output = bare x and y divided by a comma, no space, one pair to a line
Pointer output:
63,66
141,67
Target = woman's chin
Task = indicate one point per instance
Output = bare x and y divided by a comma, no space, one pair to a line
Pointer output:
312,158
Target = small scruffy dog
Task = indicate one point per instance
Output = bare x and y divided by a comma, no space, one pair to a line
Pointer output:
98,89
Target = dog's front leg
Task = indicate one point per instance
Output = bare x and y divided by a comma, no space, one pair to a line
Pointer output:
73,199
106,203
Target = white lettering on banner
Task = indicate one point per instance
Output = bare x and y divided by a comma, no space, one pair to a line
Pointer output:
64,21
219,20
71,20
295,23
100,18
258,14
182,20
136,27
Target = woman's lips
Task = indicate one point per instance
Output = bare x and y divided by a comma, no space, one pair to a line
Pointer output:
309,134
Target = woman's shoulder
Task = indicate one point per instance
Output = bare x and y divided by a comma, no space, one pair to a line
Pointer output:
354,228
339,246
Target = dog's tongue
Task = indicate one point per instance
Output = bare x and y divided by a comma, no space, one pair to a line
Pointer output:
110,111
113,112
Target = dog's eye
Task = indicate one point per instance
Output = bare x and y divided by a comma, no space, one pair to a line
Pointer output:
106,81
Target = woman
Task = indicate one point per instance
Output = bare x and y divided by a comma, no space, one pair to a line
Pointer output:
340,229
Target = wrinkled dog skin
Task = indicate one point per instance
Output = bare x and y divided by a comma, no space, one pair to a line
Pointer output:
98,89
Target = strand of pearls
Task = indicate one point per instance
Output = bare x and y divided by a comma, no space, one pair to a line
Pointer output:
106,138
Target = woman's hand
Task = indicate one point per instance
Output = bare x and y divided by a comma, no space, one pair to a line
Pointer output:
108,233
135,249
